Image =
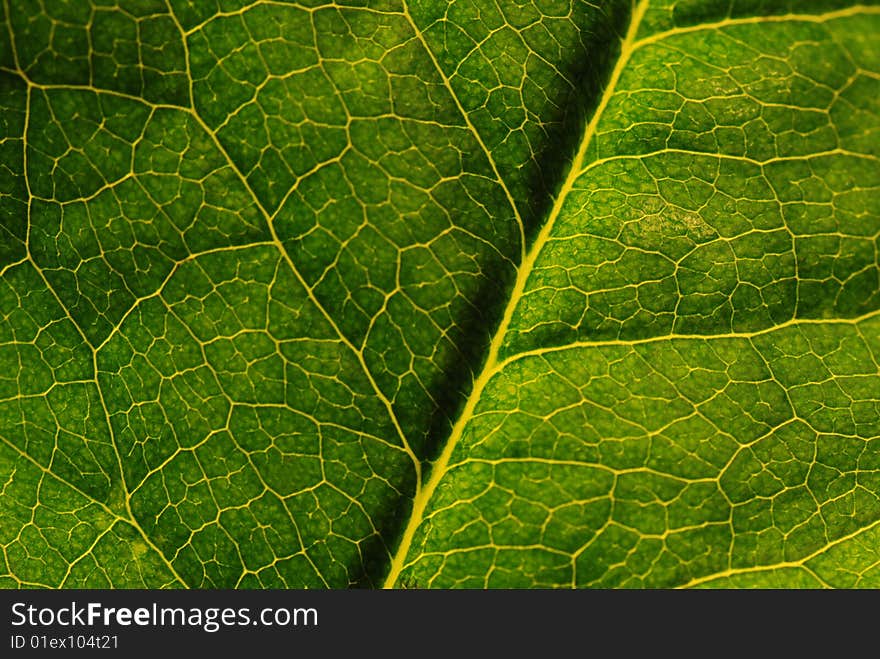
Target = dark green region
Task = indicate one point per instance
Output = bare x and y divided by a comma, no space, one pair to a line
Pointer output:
13,188
121,193
528,75
128,46
381,194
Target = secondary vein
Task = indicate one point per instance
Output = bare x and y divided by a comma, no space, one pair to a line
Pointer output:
473,129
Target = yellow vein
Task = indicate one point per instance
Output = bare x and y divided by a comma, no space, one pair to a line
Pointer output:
440,467
94,90
800,563
12,47
856,10
792,322
726,156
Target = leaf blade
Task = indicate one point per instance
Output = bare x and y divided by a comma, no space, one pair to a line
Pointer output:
271,320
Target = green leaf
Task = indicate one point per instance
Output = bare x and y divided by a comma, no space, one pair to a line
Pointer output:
438,294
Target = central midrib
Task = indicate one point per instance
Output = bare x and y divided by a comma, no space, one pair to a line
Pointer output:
490,366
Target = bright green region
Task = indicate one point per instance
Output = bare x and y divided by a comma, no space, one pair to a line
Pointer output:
852,563
729,187
413,290
50,406
254,447
660,463
664,15
54,536
786,577
120,555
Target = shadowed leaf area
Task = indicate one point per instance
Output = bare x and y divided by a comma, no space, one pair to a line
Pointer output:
439,294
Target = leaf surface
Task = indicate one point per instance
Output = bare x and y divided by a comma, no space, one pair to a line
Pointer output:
439,294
